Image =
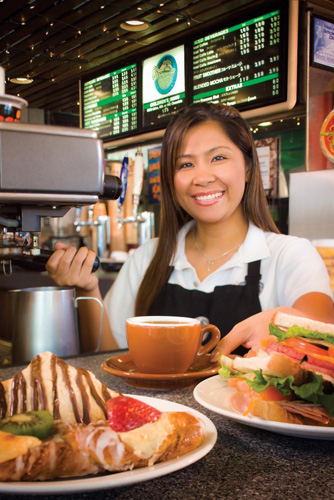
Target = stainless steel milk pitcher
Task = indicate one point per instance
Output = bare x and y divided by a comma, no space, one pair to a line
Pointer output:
45,319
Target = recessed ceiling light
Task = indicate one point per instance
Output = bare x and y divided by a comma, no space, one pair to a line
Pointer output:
21,80
265,124
135,25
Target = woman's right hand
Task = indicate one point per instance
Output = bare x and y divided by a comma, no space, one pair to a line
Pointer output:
68,266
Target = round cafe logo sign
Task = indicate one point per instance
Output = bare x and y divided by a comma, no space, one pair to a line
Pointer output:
164,74
327,136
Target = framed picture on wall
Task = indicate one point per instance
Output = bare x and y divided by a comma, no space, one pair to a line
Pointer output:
322,43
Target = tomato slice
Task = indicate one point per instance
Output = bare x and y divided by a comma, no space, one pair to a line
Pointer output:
238,383
232,382
272,394
320,363
296,348
305,346
269,394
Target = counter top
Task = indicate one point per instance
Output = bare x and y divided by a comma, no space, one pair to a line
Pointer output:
245,462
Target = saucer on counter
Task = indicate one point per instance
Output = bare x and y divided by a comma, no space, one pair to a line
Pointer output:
123,366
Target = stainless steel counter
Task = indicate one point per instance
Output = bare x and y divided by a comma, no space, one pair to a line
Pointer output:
245,463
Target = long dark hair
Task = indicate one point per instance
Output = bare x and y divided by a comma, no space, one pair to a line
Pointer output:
172,215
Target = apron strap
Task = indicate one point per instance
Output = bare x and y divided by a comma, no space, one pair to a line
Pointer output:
253,274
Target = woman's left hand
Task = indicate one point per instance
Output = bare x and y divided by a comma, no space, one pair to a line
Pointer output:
249,332
252,330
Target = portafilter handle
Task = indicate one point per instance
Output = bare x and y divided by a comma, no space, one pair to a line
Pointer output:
37,262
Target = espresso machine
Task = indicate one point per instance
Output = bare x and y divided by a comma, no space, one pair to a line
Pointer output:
45,171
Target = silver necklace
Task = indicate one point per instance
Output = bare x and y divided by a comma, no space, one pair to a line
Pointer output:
210,260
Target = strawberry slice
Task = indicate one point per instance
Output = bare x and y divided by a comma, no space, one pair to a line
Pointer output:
125,413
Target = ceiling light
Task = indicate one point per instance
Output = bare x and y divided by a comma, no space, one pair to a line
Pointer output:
21,80
135,25
265,124
134,22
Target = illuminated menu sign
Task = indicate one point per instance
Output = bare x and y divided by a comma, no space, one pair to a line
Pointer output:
240,65
163,86
110,103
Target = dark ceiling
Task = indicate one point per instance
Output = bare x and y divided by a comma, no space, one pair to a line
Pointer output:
57,42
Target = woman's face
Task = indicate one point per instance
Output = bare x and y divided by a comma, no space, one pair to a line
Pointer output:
210,175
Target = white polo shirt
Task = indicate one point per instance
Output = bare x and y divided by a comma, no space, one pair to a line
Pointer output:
290,267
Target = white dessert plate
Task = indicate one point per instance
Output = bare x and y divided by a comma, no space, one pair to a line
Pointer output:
214,394
118,479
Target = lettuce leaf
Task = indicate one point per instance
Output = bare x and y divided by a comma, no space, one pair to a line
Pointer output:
259,383
297,331
317,397
225,372
311,391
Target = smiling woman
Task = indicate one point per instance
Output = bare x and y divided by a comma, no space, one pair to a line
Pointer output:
210,180
219,255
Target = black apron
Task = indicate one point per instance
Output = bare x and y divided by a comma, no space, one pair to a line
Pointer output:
226,306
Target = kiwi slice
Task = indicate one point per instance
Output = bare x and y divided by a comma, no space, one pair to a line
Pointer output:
36,423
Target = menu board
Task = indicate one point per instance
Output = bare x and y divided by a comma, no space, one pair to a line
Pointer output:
110,103
242,65
249,62
163,86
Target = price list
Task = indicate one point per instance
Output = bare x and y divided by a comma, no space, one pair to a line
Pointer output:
110,102
240,65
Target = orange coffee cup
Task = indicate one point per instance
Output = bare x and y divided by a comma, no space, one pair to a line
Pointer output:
167,344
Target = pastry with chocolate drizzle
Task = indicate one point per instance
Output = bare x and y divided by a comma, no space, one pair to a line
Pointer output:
70,394
94,429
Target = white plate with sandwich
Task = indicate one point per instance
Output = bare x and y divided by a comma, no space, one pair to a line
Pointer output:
214,394
287,387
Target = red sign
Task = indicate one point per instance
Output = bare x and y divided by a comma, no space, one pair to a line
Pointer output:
154,195
327,136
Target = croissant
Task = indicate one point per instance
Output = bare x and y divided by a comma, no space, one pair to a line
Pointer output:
48,383
80,449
